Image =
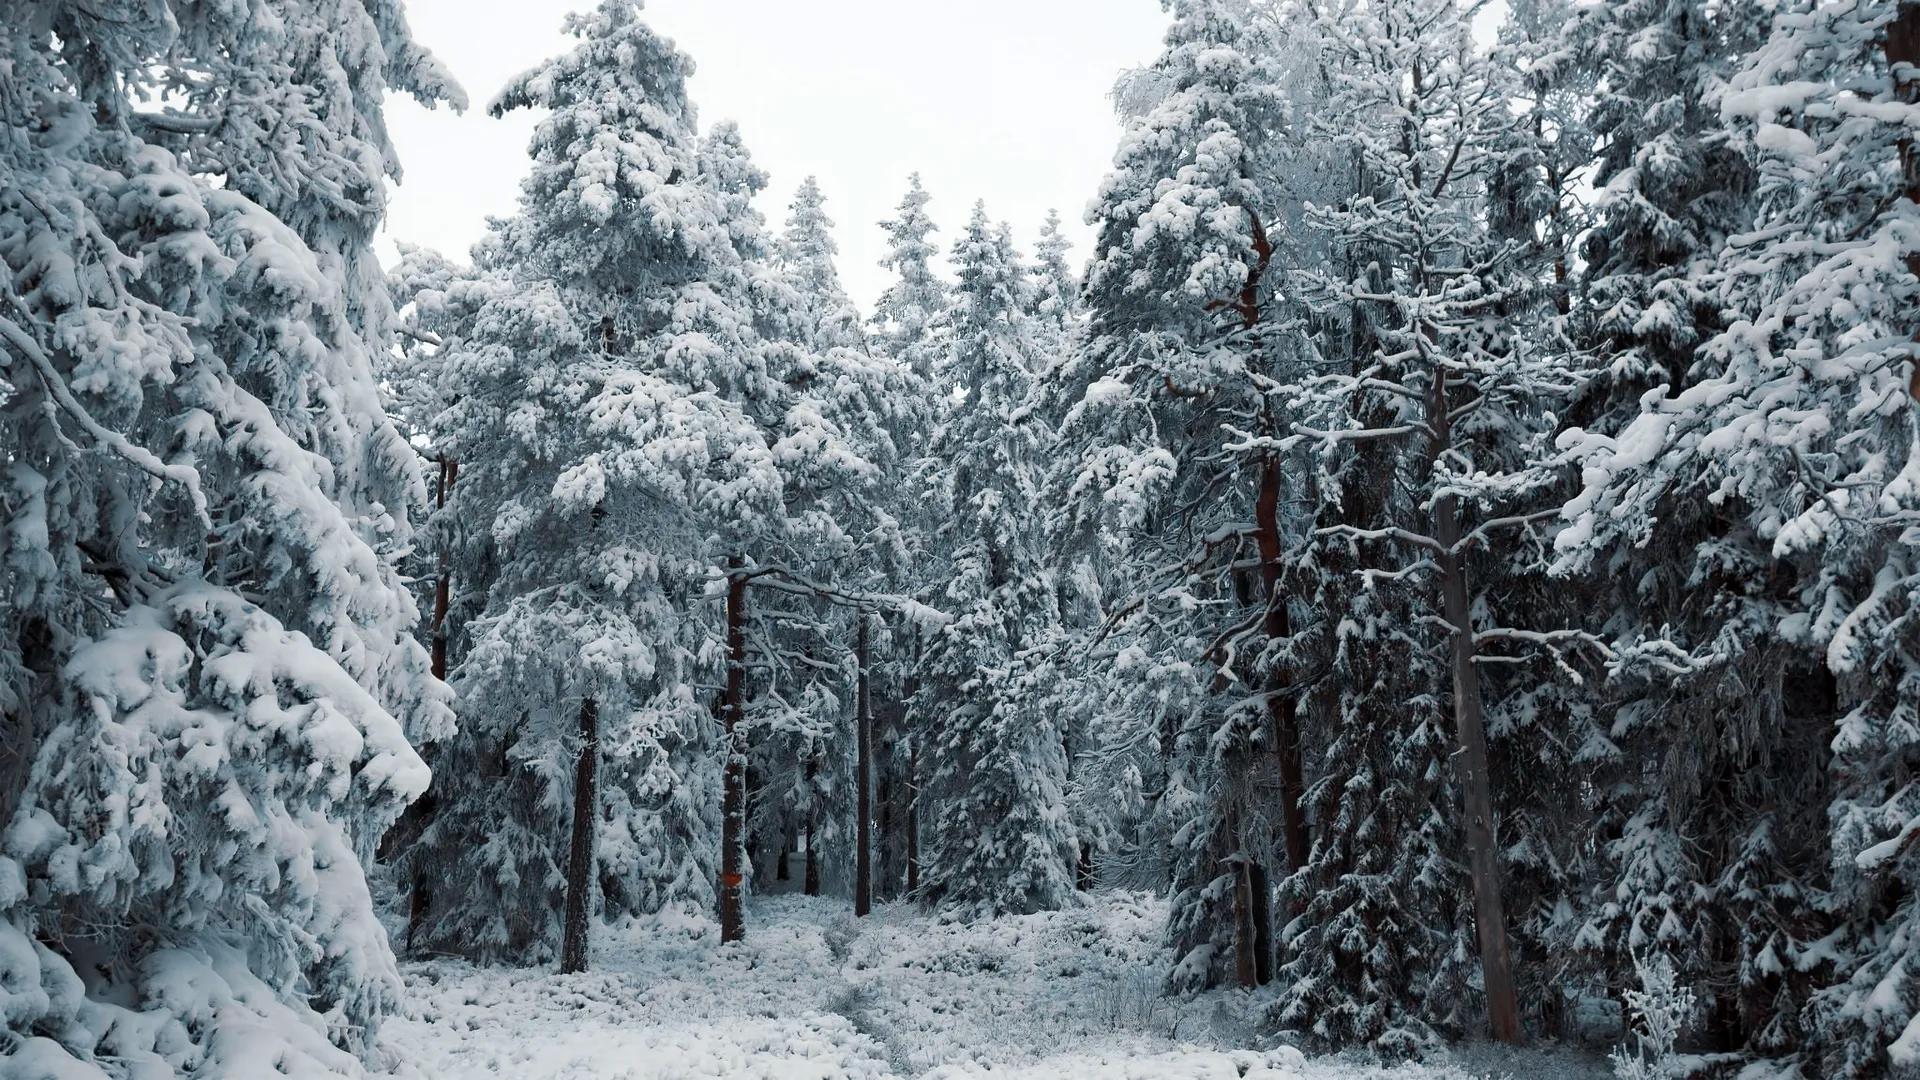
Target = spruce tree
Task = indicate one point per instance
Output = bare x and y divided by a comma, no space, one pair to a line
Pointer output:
210,685
1155,482
996,762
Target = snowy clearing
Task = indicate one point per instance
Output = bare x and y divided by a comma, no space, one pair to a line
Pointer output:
813,993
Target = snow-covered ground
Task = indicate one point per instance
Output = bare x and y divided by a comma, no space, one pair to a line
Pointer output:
814,994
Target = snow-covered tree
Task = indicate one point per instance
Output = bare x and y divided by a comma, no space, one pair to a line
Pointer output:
806,251
211,680
906,317
1054,297
1446,384
1671,187
1183,343
996,763
588,466
1793,425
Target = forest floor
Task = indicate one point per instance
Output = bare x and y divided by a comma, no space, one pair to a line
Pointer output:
814,994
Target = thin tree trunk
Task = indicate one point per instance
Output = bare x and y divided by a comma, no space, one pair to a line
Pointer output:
443,584
781,871
863,799
913,820
1246,964
1283,707
1903,53
811,884
1262,885
573,943
733,807
1476,787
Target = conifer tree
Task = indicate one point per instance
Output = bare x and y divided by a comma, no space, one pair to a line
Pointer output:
806,251
906,317
210,684
1794,424
1182,344
586,470
996,762
1447,387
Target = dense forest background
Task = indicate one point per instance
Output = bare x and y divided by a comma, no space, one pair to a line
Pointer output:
1455,534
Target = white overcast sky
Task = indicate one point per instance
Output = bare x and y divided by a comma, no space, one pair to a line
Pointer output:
1002,100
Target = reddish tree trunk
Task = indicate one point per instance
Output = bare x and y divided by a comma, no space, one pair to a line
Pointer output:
863,798
573,943
733,804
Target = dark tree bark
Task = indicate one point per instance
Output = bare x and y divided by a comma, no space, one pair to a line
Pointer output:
811,884
1470,763
1903,52
573,943
913,820
1246,963
1262,885
733,807
886,858
863,798
1283,709
781,871
416,817
443,583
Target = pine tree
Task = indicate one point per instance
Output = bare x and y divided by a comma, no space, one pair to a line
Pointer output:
1792,424
806,251
1446,387
996,763
907,314
211,682
588,466
1054,299
1155,481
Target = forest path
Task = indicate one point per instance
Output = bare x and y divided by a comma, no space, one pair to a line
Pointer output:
814,994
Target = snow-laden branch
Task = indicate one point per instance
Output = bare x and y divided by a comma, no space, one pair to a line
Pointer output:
176,123
1354,532
784,579
139,456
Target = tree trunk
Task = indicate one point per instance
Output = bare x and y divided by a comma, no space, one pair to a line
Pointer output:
781,871
1246,963
1476,788
1262,886
863,799
1283,707
811,884
913,820
1903,49
443,584
733,807
573,944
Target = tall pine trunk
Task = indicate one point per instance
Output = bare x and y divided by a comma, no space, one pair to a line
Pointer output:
1471,764
416,816
733,805
1903,57
810,884
1283,708
573,943
443,582
1246,958
913,820
863,799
